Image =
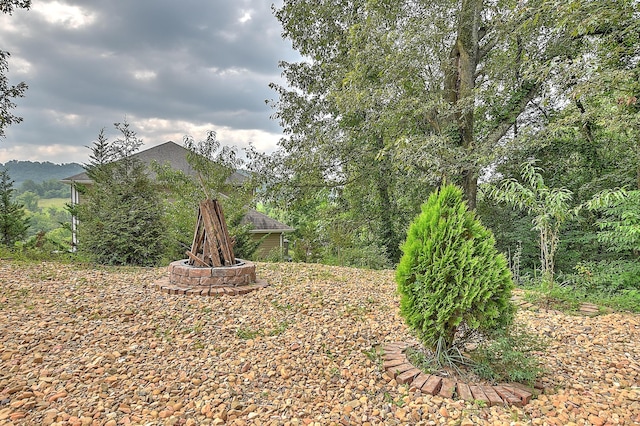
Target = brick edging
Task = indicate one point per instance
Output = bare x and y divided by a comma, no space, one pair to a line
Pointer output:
588,309
165,286
397,365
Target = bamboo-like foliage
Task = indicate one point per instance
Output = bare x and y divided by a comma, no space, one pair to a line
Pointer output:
620,224
549,206
451,274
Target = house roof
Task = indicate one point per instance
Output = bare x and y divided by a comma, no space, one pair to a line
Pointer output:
264,224
176,156
167,153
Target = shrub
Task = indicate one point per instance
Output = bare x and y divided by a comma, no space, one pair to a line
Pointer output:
121,216
13,221
509,357
213,165
607,277
451,273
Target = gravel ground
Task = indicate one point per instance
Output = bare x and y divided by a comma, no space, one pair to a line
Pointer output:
100,347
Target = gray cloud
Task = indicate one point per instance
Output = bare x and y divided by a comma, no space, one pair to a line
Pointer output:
172,68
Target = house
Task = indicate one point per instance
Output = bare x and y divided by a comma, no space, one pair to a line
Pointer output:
268,230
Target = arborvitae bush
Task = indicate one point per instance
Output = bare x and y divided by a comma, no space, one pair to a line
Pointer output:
451,274
121,213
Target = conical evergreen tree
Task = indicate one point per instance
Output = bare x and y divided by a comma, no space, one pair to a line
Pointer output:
13,220
121,214
451,273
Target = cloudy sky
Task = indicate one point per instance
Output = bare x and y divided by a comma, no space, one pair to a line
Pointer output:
171,68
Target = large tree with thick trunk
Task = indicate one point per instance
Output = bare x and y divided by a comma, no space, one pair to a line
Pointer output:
393,98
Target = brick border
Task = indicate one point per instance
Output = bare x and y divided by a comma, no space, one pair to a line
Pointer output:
165,286
217,281
398,367
181,274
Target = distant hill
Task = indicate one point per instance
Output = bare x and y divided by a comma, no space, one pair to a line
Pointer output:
38,172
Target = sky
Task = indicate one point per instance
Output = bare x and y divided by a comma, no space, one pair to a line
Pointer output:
170,68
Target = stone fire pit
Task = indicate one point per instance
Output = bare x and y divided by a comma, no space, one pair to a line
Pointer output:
215,281
211,268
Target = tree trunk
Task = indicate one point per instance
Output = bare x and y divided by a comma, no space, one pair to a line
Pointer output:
459,86
387,208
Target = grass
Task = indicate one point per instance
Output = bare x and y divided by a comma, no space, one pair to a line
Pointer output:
569,298
509,356
57,203
247,333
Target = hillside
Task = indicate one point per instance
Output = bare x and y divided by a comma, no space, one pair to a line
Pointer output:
38,172
80,345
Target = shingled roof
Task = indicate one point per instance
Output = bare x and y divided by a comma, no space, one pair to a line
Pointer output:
176,156
167,153
263,223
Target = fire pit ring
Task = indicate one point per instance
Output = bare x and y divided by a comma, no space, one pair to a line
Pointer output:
211,281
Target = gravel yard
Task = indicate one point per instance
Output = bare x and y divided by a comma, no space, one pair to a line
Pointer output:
100,347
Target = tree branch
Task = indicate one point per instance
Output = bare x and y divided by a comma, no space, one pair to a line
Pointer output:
503,126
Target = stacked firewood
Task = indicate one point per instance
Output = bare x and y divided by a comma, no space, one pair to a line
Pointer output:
212,246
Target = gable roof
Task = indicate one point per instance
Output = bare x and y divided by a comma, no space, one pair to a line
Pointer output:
167,153
263,223
176,157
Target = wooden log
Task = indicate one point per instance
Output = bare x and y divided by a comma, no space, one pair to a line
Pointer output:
211,244
198,235
196,260
205,253
223,243
196,246
211,232
227,245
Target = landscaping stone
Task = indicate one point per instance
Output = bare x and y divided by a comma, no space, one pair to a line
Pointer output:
96,346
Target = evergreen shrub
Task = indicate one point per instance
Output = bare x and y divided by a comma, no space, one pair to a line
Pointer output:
451,274
121,217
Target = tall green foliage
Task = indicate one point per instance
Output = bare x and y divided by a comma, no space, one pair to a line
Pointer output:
450,273
549,207
121,212
620,221
213,165
13,221
394,96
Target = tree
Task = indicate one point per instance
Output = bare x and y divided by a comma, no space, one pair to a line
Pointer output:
393,97
549,207
9,92
620,223
450,274
437,86
29,200
214,165
605,85
121,217
13,221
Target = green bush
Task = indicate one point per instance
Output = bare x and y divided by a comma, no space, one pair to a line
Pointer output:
508,357
451,274
121,216
607,277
